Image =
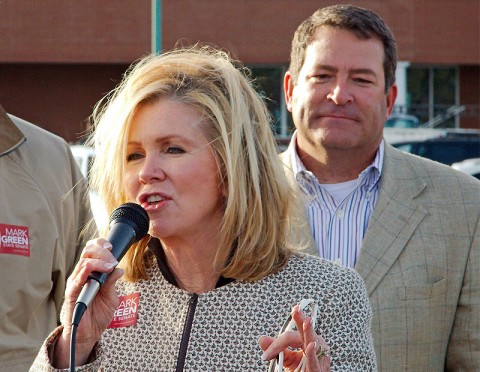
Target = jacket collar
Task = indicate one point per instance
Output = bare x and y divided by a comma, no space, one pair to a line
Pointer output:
11,137
396,216
155,246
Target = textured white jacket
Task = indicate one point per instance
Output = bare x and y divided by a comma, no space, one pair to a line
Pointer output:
219,330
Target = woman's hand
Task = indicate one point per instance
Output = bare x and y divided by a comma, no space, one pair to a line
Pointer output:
305,340
96,256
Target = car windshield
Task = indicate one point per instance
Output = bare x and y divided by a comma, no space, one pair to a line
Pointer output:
446,152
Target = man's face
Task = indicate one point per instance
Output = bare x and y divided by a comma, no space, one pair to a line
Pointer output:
339,100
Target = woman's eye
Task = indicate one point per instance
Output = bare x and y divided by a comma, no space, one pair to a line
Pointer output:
174,150
134,156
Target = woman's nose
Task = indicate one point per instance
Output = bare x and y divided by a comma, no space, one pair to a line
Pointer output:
151,171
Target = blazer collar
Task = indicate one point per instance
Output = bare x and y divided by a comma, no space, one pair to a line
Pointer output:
11,136
395,218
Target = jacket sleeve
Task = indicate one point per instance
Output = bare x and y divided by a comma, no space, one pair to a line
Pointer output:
356,323
347,323
43,362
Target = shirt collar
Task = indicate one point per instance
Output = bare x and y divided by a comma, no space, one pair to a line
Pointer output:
375,168
11,136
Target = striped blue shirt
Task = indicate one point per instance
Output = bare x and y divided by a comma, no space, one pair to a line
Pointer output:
339,224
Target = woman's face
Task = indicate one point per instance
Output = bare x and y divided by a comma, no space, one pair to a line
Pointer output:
171,171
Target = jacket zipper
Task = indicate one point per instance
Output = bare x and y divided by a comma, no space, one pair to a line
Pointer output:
187,328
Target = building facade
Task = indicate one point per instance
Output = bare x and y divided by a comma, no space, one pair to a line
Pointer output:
58,58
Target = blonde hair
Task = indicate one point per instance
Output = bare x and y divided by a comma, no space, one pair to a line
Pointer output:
254,231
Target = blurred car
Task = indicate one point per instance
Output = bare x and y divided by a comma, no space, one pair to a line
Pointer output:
402,121
469,166
395,135
84,156
451,147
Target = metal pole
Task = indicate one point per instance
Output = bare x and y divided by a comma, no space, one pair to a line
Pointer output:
156,26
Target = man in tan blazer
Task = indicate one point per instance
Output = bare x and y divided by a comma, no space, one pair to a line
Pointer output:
409,226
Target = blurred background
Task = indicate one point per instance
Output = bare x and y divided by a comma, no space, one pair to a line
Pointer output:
59,57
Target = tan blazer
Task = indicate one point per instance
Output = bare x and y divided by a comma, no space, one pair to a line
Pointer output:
420,260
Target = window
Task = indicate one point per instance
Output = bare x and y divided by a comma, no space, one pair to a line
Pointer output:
432,95
269,84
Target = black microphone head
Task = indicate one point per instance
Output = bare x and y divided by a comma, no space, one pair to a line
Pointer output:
134,215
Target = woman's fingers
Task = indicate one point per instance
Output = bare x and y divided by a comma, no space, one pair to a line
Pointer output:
96,256
303,342
322,352
312,360
308,332
265,341
316,352
298,316
99,250
318,355
109,284
316,349
273,346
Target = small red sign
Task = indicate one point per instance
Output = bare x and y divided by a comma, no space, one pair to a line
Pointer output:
14,240
127,311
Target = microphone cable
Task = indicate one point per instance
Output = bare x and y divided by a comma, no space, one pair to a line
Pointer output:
78,312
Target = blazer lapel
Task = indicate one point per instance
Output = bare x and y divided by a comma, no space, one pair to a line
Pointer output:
395,218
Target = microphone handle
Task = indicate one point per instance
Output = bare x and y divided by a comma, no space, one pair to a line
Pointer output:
88,293
121,237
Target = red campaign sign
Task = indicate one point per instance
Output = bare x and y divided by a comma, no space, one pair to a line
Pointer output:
14,240
126,313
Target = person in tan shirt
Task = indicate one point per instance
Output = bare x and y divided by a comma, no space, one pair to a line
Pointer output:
44,210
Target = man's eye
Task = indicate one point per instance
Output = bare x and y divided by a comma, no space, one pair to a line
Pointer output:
321,77
363,81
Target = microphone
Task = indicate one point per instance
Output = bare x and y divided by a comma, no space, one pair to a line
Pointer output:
128,224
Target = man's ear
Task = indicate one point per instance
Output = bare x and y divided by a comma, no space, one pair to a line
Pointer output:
391,97
288,86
